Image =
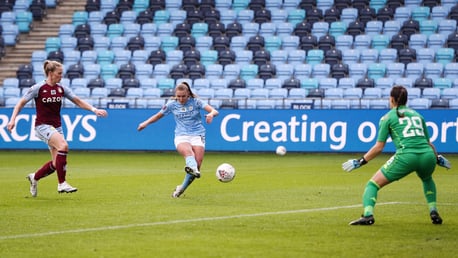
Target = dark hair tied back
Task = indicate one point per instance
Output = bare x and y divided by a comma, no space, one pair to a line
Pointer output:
399,94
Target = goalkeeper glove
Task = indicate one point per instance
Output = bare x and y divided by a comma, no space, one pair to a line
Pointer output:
351,164
443,162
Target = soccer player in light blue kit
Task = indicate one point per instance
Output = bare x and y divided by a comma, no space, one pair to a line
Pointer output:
189,130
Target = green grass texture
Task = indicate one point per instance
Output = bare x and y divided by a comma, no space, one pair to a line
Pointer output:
297,205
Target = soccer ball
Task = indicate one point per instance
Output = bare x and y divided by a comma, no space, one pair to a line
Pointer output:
225,173
281,150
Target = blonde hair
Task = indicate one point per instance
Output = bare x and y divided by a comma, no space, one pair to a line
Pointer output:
185,86
50,66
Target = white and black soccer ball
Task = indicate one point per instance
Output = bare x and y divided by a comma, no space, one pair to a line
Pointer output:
225,173
281,150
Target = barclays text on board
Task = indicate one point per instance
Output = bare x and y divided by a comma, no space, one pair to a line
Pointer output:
233,130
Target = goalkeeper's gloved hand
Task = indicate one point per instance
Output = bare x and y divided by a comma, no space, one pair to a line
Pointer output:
351,164
443,162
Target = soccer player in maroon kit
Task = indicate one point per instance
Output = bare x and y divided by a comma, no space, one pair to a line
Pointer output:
49,96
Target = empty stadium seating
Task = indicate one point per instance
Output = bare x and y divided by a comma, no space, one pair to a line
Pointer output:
323,45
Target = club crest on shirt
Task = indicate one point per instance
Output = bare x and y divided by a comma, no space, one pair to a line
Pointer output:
59,89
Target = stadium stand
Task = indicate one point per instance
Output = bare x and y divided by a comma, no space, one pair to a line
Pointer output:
308,45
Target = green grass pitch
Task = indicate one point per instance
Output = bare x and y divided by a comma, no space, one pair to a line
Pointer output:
297,205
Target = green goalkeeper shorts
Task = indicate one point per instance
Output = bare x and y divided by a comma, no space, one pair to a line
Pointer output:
401,165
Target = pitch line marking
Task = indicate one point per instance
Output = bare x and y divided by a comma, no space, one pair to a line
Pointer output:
152,224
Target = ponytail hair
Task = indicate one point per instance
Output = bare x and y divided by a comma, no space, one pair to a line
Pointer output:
50,66
399,95
185,86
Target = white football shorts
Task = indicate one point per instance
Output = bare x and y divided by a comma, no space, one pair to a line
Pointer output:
44,132
194,140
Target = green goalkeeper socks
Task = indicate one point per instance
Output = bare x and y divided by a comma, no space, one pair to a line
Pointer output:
429,189
370,197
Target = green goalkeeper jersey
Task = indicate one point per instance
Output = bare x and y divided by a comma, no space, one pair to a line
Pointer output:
409,132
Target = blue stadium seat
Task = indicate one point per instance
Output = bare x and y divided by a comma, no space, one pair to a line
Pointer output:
297,93
161,16
332,93
148,29
91,71
321,71
431,93
445,55
402,14
346,83
448,93
155,103
340,104
362,42
115,30
446,26
223,93
80,17
357,70
290,42
372,93
374,27
320,29
418,41
442,83
24,21
242,93
165,29
351,56
392,27
220,83
352,93
273,83
243,57
105,57
348,15
337,28
395,70
309,83
278,57
122,57
255,83
113,83
369,56
284,71
108,71
249,71
384,83
231,71
436,41
213,71
425,55
414,70
267,29
315,56
419,103
330,83
378,104
204,43
433,70
406,82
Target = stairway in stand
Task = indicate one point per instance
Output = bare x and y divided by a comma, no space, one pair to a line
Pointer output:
21,53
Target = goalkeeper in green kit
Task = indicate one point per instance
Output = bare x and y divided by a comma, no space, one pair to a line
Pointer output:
414,152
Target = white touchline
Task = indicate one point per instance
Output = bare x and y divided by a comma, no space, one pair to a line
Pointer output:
151,224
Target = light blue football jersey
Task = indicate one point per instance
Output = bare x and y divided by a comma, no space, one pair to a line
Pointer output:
187,117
